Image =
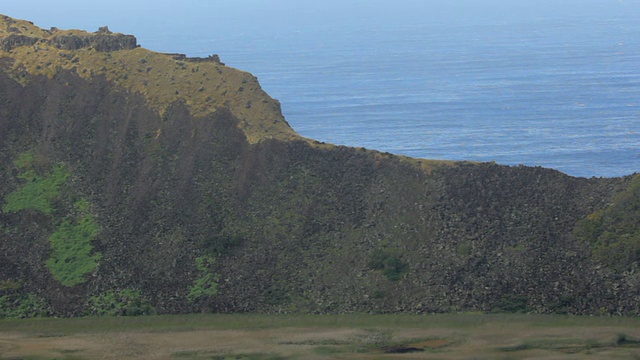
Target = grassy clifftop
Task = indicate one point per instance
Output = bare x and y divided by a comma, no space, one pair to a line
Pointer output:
204,85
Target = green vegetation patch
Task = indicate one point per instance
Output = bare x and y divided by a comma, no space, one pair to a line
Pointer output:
510,303
22,306
71,258
39,190
614,232
207,284
125,302
389,262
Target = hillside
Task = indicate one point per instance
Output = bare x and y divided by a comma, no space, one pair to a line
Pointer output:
135,182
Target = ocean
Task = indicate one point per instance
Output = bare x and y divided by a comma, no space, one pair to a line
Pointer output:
545,83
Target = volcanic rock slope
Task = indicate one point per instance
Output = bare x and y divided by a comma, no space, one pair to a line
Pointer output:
137,182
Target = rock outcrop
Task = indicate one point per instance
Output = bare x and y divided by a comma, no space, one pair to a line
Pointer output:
14,40
103,40
100,42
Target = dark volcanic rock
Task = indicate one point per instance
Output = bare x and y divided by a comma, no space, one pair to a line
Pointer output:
211,58
14,40
100,42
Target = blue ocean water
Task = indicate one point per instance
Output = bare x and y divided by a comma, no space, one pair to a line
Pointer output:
544,83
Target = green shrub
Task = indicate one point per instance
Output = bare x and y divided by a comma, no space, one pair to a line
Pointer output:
38,192
614,232
563,305
25,161
125,302
510,303
207,284
23,306
389,263
71,259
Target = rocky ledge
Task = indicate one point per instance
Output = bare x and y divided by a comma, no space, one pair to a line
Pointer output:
102,40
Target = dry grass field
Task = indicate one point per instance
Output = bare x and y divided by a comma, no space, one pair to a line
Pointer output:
460,336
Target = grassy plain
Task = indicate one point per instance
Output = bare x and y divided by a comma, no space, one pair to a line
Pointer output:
357,336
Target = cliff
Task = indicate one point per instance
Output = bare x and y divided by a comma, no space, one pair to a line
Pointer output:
136,182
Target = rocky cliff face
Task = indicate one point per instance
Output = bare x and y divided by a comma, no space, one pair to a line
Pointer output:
136,182
18,34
